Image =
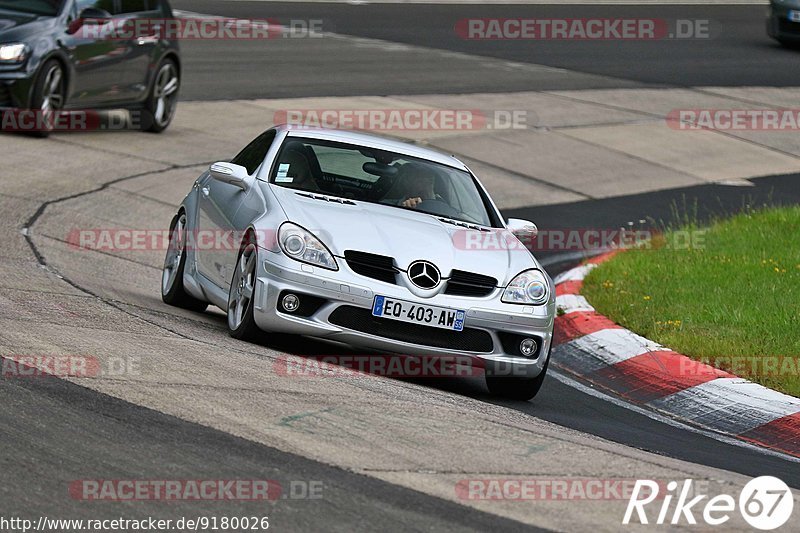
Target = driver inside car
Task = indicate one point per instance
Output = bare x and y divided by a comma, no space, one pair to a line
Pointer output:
417,183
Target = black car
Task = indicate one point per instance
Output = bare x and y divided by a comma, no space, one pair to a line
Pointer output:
783,21
54,56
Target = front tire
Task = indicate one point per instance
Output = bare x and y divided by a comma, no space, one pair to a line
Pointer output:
49,95
159,109
516,388
241,322
172,290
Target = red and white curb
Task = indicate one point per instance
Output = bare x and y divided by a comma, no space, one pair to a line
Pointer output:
592,347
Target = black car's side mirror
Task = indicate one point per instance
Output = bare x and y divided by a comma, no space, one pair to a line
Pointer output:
89,16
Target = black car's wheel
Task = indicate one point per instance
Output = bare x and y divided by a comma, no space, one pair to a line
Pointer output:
172,289
241,323
49,95
163,99
516,388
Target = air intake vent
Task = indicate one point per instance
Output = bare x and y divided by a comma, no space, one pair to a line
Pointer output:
468,284
322,197
462,224
373,266
5,96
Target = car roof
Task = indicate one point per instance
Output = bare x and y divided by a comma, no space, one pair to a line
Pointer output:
373,141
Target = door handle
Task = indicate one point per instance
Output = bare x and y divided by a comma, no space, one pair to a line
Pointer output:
141,41
206,191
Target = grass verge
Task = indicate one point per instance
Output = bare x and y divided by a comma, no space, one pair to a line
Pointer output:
731,298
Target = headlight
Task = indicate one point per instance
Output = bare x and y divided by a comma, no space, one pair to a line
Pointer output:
303,246
529,287
13,53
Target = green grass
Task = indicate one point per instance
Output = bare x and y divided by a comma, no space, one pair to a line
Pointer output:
735,294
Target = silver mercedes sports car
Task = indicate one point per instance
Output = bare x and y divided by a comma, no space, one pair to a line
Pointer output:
366,241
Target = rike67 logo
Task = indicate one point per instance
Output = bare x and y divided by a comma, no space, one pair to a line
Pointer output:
765,503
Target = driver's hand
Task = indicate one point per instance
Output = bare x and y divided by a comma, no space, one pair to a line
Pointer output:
412,202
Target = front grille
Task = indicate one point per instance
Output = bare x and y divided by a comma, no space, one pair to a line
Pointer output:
359,319
5,96
373,266
468,284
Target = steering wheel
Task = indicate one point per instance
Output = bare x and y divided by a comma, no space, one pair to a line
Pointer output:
437,207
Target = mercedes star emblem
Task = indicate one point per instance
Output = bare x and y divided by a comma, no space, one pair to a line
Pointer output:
424,275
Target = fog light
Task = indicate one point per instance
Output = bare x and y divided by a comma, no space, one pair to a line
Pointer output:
290,303
528,347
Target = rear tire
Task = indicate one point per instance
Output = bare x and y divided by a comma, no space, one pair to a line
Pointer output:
172,290
516,388
159,109
241,322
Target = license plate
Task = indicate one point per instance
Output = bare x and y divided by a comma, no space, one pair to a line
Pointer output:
794,15
427,315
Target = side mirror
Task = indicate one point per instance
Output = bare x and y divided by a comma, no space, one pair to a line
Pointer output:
230,173
523,229
91,16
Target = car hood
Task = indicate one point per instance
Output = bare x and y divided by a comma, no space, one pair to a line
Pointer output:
20,26
407,236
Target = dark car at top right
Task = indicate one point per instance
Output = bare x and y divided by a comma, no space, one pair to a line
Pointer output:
783,21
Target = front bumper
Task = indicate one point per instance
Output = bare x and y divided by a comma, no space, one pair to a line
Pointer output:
779,26
486,316
15,88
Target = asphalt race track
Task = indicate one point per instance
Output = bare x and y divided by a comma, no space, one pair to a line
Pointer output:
738,53
83,428
200,410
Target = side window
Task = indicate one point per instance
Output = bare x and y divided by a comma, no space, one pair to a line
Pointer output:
131,6
255,152
107,5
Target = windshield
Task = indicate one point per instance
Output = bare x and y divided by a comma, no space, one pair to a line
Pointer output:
380,177
48,8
